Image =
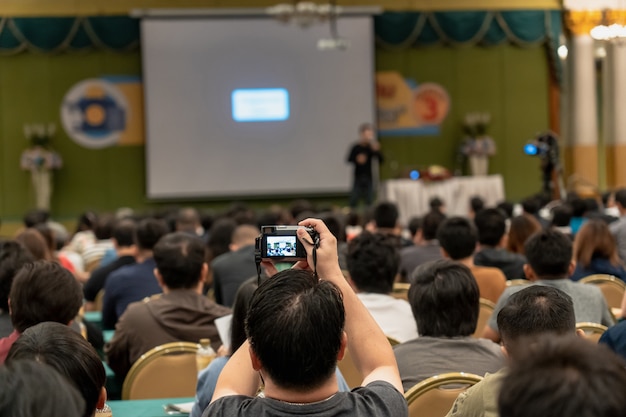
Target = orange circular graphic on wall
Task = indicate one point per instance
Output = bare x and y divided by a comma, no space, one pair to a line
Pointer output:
431,104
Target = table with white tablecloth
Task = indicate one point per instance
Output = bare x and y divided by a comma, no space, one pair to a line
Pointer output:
413,196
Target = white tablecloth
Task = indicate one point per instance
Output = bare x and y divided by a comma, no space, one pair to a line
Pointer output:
412,197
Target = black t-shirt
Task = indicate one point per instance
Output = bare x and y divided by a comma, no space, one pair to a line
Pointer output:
363,171
378,398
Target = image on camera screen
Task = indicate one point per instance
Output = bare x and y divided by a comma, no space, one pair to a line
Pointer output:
281,246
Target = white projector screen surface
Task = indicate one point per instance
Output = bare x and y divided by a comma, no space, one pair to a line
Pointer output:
251,107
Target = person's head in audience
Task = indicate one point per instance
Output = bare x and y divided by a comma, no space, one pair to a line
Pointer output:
35,243
104,227
531,205
243,236
561,216
476,204
373,261
124,235
579,208
240,311
188,220
35,217
180,262
595,241
48,235
444,298
620,200
549,256
44,291
67,352
287,315
457,238
532,312
385,216
31,389
298,207
86,221
507,208
220,236
592,205
564,376
12,257
437,204
430,225
522,227
608,199
334,224
491,226
148,233
415,228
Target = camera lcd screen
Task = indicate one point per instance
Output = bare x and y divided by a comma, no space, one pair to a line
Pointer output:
281,246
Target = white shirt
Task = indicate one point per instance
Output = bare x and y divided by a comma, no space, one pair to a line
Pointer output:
394,316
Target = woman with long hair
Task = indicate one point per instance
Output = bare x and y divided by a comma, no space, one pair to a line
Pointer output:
595,252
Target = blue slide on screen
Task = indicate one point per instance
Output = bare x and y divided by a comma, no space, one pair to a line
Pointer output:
260,105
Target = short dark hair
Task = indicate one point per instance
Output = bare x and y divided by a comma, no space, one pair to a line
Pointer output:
620,197
287,315
68,353
386,215
435,204
31,389
35,217
431,223
592,205
124,232
373,261
187,219
415,224
179,259
476,204
531,205
506,207
565,376
561,215
532,311
12,257
458,237
240,311
44,291
579,207
549,254
444,298
335,225
148,233
104,227
491,225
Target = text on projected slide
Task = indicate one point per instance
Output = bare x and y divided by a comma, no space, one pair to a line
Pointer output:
260,104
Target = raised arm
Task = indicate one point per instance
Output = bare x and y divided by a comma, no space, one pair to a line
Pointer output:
368,345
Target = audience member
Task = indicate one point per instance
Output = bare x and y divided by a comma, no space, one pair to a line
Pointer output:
437,204
31,389
595,252
84,235
596,211
561,218
428,250
491,225
522,227
618,228
188,221
458,239
531,207
550,263
506,207
476,204
415,229
182,313
220,237
287,315
373,264
41,291
528,314
35,243
337,228
49,235
12,257
566,377
615,338
125,248
385,221
231,269
134,282
93,253
579,208
68,353
444,299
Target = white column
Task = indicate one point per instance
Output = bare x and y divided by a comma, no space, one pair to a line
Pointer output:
614,113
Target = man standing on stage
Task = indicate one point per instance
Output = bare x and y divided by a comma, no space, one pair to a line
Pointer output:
361,156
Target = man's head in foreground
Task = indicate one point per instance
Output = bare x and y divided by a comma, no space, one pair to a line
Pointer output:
549,256
295,329
564,376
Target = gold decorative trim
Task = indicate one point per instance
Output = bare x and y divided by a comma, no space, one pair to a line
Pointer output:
580,22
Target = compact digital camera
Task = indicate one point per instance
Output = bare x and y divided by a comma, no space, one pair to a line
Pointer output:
281,243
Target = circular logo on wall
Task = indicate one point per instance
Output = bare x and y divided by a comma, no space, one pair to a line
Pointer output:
94,113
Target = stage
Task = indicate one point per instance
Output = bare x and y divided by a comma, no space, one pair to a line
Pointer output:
412,197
